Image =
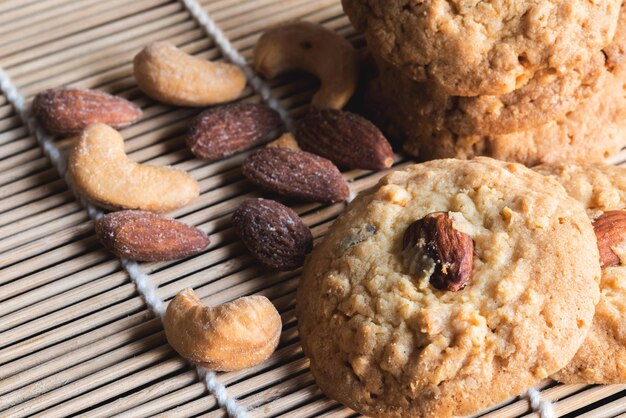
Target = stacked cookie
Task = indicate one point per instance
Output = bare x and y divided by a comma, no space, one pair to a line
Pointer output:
454,285
531,82
601,189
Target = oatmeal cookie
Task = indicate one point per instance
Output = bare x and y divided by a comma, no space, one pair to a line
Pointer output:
590,133
602,357
385,340
484,47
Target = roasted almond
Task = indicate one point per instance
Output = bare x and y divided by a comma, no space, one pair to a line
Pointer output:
345,138
296,174
433,246
273,233
610,229
70,110
145,236
225,130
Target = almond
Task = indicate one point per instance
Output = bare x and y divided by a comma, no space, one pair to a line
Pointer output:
610,229
145,236
273,233
345,138
433,246
296,174
70,110
225,130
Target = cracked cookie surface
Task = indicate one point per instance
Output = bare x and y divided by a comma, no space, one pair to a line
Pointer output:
484,47
385,342
602,357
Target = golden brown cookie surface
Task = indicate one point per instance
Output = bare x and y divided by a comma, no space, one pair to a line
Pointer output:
474,48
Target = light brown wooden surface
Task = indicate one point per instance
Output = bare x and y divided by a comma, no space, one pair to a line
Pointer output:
75,337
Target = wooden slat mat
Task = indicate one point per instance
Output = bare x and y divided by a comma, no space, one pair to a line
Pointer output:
76,339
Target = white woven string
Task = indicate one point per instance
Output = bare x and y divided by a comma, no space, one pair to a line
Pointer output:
145,286
544,408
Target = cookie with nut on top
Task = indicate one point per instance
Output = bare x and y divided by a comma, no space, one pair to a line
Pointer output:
602,190
447,288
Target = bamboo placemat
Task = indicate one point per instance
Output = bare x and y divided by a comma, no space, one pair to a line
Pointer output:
76,339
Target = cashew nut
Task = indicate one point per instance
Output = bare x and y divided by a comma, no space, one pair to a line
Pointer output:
232,336
172,76
286,140
101,171
312,48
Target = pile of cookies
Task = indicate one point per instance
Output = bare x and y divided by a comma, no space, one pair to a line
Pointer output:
529,82
454,285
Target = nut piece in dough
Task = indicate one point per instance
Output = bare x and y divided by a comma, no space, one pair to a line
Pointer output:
610,229
172,76
305,46
232,336
447,254
102,173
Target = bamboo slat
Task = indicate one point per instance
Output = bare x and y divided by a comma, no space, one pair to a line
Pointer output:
75,336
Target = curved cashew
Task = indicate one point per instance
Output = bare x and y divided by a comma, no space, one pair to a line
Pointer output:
286,140
102,172
172,76
312,48
228,337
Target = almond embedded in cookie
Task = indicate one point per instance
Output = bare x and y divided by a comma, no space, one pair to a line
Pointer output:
448,253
